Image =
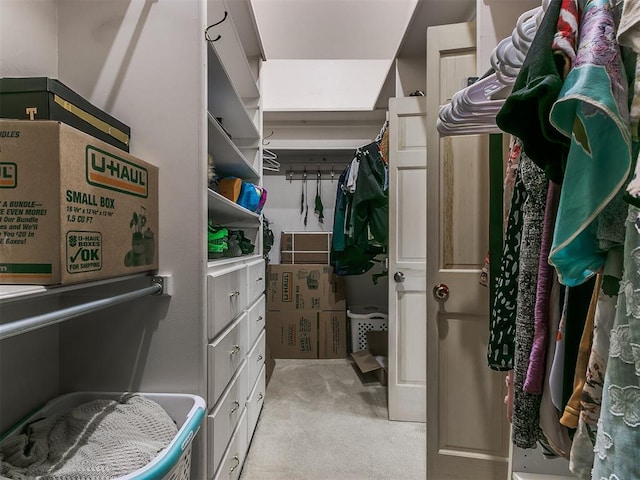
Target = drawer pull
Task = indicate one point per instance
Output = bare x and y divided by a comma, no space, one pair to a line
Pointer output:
236,457
236,406
234,294
236,349
259,358
259,319
259,279
260,396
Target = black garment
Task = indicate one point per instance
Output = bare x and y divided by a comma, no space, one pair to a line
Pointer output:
525,112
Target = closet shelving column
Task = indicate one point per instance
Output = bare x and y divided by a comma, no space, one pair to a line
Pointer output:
235,286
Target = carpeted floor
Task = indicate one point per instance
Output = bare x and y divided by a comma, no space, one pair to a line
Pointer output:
319,422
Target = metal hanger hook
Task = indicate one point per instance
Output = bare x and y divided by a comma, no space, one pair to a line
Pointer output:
206,31
268,136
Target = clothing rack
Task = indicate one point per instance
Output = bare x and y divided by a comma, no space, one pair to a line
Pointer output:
159,286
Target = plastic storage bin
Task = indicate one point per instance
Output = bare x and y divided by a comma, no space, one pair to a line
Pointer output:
172,463
364,318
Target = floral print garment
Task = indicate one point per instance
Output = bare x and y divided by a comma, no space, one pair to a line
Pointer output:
618,430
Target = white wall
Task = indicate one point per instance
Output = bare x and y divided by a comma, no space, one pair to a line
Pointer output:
322,85
29,38
411,75
283,211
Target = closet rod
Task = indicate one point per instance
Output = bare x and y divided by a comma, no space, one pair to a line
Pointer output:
25,325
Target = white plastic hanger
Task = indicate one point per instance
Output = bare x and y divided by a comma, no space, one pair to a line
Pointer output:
474,108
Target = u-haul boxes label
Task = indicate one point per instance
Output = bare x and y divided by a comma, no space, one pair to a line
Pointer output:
84,251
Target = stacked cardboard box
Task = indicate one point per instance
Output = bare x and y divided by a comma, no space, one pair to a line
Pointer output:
301,248
305,312
73,208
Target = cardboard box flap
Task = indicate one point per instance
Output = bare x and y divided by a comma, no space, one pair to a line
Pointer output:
365,361
378,342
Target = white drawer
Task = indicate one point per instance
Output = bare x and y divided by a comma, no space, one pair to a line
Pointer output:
225,355
231,464
256,320
254,404
255,279
225,417
255,359
227,298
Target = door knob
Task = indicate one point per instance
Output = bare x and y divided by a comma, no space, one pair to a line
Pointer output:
441,292
399,277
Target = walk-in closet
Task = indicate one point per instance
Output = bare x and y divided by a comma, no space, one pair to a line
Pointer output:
330,239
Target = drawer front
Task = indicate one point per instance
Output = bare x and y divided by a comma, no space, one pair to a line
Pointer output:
225,356
254,405
231,464
226,416
256,314
256,279
227,298
256,359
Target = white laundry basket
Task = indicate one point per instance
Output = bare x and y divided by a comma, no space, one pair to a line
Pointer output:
364,318
171,463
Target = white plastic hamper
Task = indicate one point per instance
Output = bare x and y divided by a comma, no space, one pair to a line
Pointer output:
172,463
364,318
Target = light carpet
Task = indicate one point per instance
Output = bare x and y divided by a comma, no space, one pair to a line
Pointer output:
319,422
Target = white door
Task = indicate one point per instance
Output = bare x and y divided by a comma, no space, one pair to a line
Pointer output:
467,431
407,257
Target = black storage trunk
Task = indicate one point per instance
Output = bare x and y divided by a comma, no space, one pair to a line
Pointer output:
42,98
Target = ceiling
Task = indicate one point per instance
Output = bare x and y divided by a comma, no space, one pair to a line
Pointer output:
352,29
340,37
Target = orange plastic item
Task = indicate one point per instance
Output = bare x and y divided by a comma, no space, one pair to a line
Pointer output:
230,188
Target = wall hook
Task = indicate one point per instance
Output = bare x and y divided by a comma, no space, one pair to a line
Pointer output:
206,31
268,136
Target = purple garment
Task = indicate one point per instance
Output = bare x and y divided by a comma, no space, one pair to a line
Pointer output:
536,368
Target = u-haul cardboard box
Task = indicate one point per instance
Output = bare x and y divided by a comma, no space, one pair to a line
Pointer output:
304,287
72,208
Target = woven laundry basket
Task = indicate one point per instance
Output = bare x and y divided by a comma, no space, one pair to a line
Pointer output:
171,463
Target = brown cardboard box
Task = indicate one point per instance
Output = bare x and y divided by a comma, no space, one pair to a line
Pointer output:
304,287
318,258
332,335
73,208
305,241
305,248
292,334
372,363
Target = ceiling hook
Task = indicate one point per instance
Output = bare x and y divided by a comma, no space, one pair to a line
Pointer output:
206,31
268,136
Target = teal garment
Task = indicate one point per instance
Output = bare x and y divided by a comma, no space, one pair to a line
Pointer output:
592,111
339,241
618,437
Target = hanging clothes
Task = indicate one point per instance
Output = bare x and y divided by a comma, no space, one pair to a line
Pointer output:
525,112
618,434
526,408
365,211
581,460
592,112
503,312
